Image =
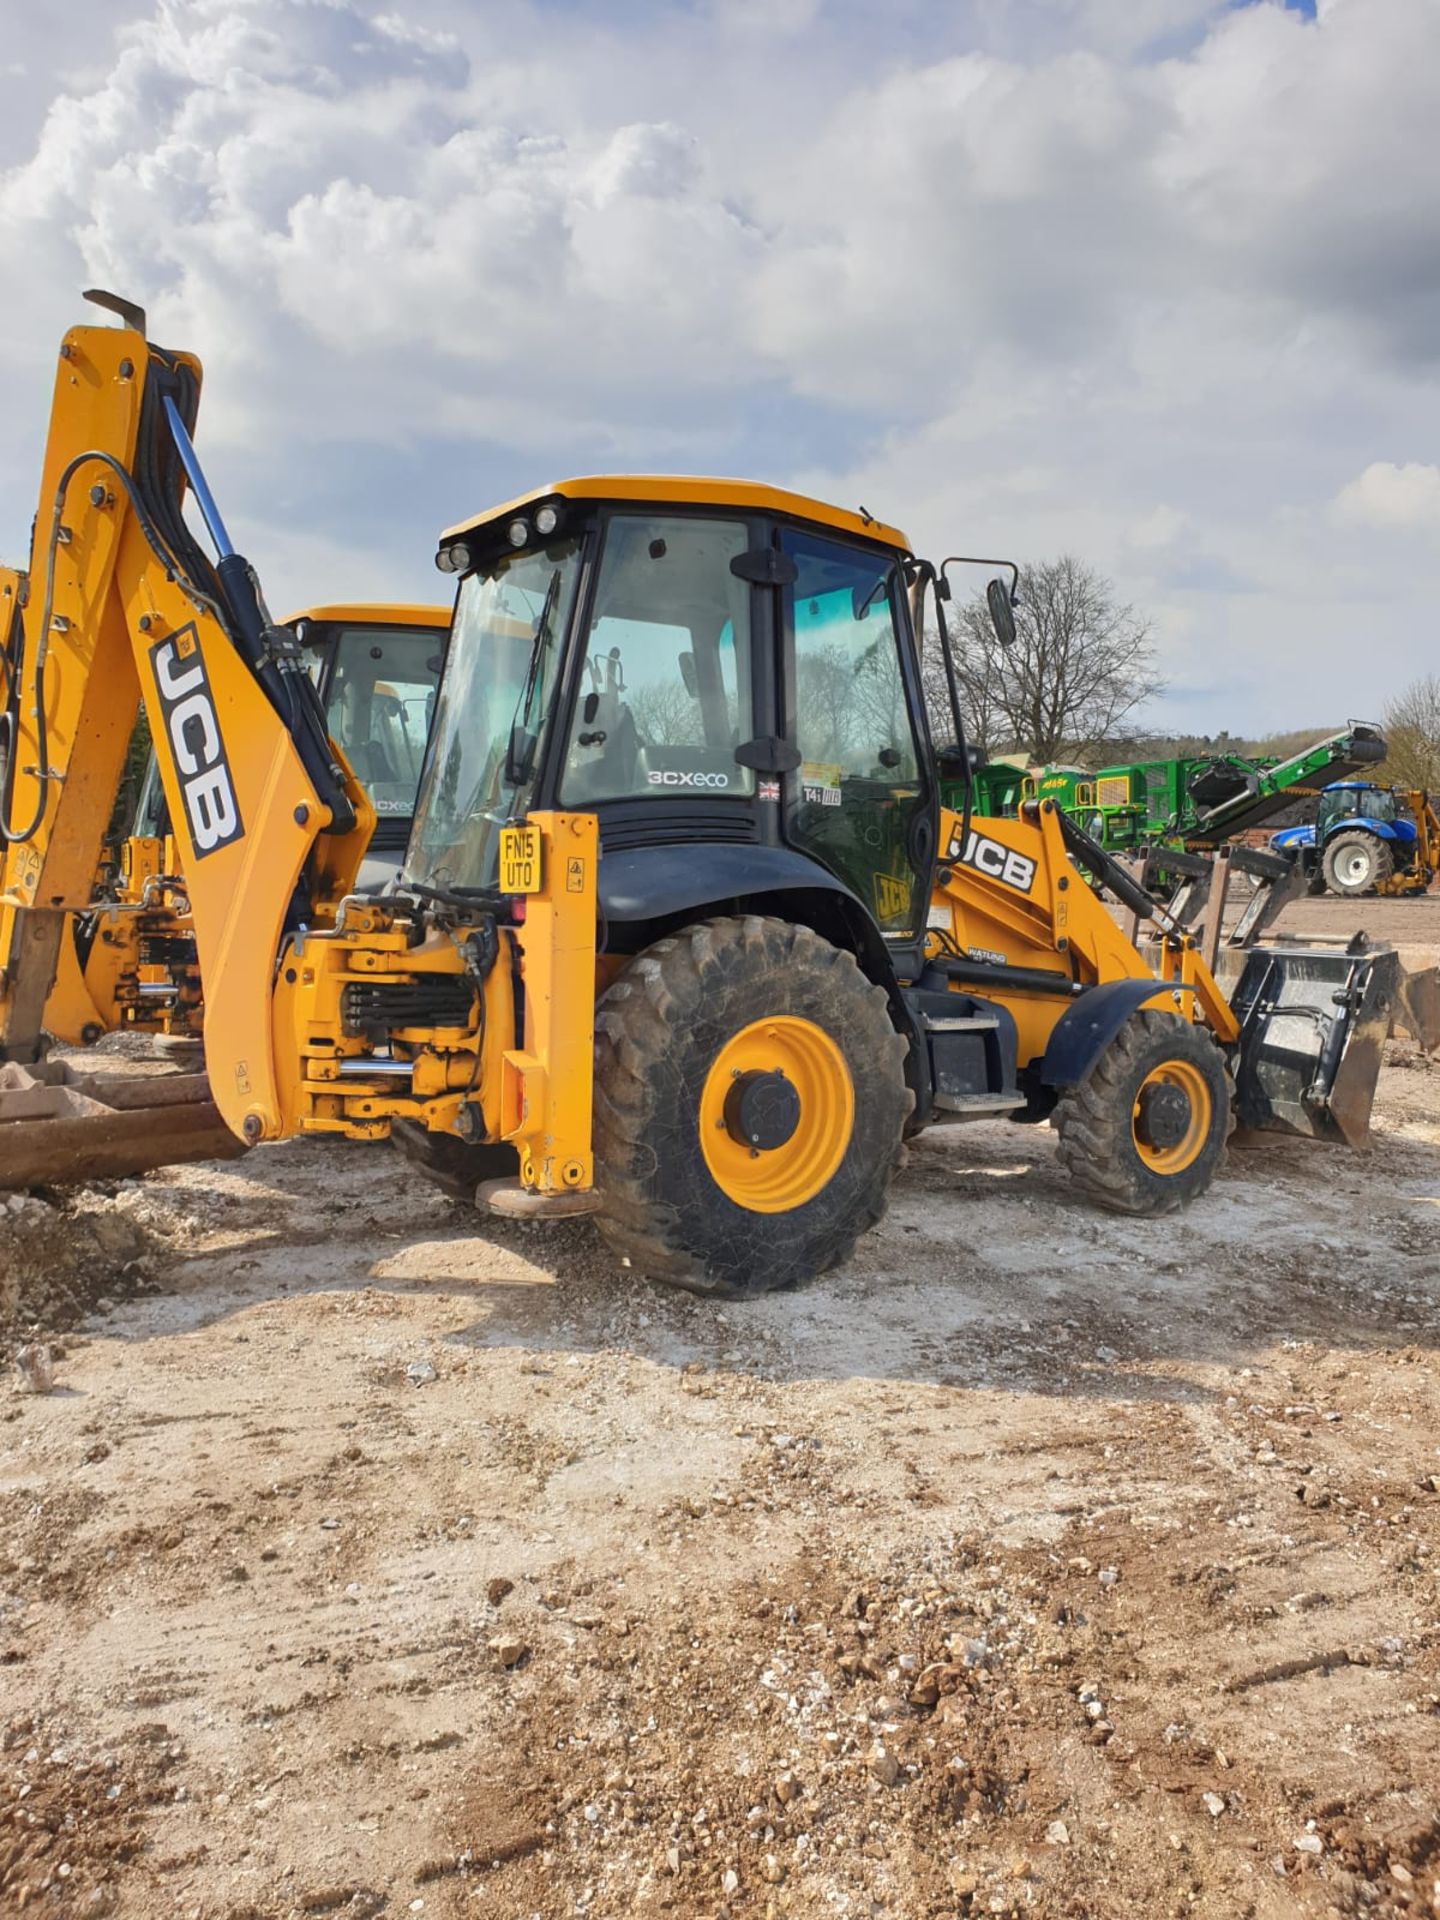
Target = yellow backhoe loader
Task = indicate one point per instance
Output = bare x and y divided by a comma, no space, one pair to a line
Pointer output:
129,964
684,936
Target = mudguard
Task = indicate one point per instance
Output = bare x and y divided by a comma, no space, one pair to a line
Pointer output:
1086,1028
645,885
651,883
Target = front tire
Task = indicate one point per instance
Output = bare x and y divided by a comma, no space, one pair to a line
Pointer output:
1357,863
1145,1131
750,1100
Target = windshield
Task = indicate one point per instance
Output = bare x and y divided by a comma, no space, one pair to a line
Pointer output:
665,695
378,698
509,621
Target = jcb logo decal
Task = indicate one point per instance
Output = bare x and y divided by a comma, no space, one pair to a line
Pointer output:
212,812
995,861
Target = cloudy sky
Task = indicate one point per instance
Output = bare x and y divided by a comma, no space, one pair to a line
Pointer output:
1155,281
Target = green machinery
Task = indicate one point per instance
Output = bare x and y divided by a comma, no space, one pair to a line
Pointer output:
1196,802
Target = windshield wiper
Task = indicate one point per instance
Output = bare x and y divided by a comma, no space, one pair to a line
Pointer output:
520,753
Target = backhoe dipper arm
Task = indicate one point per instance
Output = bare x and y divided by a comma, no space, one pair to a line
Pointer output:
124,608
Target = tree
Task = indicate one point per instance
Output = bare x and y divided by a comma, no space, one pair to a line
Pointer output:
665,714
1081,666
1412,733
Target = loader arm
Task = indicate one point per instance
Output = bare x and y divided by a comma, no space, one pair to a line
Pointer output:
1010,889
123,608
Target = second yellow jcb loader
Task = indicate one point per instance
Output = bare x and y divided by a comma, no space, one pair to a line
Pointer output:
130,964
684,936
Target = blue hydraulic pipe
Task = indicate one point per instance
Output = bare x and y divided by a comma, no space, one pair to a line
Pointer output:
199,485
291,692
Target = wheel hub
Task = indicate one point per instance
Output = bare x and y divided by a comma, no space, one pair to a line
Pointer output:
1163,1117
776,1113
762,1111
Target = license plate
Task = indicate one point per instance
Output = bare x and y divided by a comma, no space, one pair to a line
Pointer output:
520,859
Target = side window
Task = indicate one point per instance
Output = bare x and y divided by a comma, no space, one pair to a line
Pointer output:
665,691
857,801
852,720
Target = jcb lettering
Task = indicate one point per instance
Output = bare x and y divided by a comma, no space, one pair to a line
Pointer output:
207,792
210,803
173,685
195,709
999,862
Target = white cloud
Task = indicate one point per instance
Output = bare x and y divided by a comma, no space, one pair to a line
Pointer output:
993,267
767,18
1161,527
1391,497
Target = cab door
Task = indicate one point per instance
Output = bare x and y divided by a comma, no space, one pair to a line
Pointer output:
862,801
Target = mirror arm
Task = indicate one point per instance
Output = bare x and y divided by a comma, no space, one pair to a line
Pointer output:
970,560
941,588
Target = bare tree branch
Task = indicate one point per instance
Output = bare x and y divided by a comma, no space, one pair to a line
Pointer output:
1412,731
1082,667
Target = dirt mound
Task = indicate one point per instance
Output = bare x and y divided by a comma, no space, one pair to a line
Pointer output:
68,1251
59,1257
73,1817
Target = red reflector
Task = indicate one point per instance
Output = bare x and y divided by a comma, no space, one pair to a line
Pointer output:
517,910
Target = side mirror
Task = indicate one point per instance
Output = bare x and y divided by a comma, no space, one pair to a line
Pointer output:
689,675
1002,613
953,762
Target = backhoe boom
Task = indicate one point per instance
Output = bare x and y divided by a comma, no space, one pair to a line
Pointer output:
124,607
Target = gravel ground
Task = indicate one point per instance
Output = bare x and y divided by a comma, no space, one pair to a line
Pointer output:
368,1558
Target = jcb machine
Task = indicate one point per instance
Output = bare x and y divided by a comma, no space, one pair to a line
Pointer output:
685,937
129,964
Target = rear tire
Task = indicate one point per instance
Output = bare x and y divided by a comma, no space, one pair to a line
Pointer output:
1145,1131
455,1166
1357,863
724,1006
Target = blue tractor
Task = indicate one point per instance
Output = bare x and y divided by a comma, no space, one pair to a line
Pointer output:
1365,839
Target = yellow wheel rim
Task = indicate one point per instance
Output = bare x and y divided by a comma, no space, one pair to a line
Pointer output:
1185,1076
776,1179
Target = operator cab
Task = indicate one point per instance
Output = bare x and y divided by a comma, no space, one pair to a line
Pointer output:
377,669
729,684
1355,800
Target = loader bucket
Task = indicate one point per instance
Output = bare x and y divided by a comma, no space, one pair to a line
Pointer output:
1417,1009
58,1127
1313,1024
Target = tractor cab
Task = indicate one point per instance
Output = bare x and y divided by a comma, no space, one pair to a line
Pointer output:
377,668
728,684
1355,800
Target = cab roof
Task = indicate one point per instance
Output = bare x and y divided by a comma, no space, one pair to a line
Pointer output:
375,614
693,490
